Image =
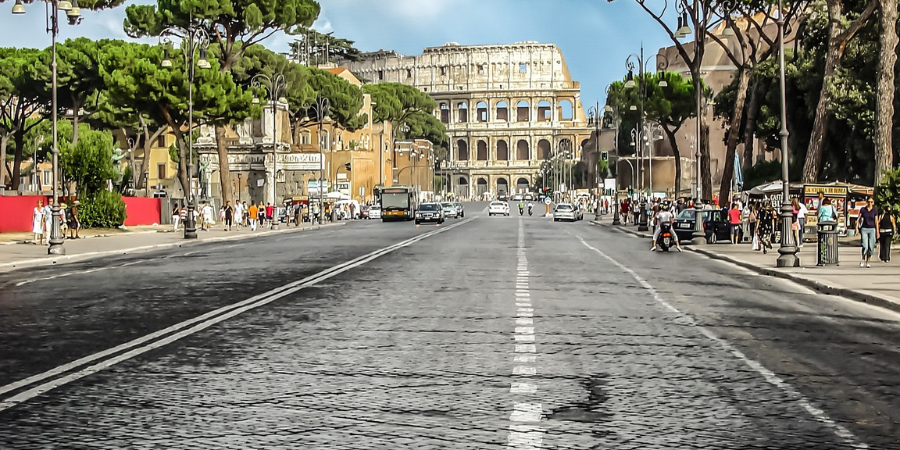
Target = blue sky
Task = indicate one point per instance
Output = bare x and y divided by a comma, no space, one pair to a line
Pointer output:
595,36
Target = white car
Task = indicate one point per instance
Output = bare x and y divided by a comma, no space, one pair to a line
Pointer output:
564,211
499,208
375,212
450,210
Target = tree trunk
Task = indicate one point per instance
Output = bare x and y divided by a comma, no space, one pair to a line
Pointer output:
183,174
148,144
677,153
19,137
224,172
750,126
884,103
734,130
75,122
4,142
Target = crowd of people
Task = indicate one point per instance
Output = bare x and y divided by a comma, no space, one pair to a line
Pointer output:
42,221
256,215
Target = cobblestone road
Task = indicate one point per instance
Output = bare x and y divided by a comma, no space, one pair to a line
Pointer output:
418,349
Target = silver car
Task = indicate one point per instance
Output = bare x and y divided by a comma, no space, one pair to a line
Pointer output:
564,211
450,210
460,211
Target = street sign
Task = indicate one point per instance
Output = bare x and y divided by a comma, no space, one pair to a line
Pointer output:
547,201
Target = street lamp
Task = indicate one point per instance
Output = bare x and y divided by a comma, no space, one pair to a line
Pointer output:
198,41
321,107
73,13
276,87
788,249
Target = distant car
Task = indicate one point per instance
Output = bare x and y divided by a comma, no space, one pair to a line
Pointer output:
498,208
715,225
429,212
364,212
450,210
375,212
517,198
529,197
460,211
564,211
503,197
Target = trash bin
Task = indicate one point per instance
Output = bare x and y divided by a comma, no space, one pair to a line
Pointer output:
827,250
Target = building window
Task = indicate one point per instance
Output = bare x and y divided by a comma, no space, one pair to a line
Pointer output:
523,68
161,171
408,73
380,75
444,70
481,69
47,178
161,141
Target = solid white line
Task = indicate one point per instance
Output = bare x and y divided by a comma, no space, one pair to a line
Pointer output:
820,415
196,324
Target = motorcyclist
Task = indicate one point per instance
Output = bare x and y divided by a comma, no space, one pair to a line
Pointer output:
530,208
521,207
664,216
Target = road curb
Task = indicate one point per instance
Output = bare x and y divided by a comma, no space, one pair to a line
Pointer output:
50,261
851,294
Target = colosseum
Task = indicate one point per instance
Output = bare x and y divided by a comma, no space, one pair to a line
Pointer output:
507,108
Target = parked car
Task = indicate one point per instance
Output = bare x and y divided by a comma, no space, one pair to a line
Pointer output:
460,211
715,224
498,208
429,212
375,212
564,211
450,210
579,212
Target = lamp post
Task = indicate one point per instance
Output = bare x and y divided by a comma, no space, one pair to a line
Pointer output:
198,41
320,108
788,249
73,13
276,87
239,186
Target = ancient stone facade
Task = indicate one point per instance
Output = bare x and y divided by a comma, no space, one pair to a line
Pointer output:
506,107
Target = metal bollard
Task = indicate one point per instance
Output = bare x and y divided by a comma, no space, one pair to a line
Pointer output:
827,245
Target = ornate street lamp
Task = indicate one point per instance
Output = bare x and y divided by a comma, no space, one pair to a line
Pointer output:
320,108
73,13
788,249
197,41
276,87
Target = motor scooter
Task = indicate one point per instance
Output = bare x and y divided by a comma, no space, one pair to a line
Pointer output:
530,209
521,211
665,240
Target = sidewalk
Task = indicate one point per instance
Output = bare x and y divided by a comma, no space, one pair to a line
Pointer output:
879,285
99,243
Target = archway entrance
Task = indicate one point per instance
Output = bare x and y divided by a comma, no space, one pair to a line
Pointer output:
502,186
481,187
461,188
522,185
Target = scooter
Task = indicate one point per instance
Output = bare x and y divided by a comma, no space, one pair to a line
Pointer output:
665,239
521,211
530,209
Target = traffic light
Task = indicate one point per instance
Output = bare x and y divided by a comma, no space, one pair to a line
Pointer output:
347,166
604,156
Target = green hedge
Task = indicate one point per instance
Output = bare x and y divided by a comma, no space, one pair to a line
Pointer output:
105,210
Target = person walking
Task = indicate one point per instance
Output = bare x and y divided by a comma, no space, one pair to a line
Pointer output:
246,218
826,212
48,220
270,215
867,225
887,226
802,211
238,215
753,220
72,220
37,223
253,215
734,219
229,215
176,217
795,223
208,219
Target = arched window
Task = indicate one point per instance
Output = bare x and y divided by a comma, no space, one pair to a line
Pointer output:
481,152
502,151
445,113
481,111
522,153
462,112
481,186
522,185
522,111
502,185
565,110
462,150
544,114
544,149
502,111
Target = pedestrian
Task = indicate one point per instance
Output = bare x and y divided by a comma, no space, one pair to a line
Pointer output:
48,220
229,215
826,212
734,219
253,215
176,217
261,215
72,220
802,211
753,220
246,217
887,224
867,225
270,215
238,215
208,218
766,227
37,223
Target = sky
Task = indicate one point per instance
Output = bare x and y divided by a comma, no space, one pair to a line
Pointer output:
595,36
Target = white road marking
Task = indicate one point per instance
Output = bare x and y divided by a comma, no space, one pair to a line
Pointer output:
525,314
524,321
525,348
525,358
186,328
525,337
820,415
526,412
525,330
524,370
522,388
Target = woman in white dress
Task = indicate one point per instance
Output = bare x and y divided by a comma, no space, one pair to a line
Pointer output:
37,223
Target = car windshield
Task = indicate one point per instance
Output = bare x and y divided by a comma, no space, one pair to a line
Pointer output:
428,207
501,204
686,214
446,205
564,208
374,207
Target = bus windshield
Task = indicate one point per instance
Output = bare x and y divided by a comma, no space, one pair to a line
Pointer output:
394,201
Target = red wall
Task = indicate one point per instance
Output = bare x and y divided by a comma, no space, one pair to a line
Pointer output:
16,212
141,211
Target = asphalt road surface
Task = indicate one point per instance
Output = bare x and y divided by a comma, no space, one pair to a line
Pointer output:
501,332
